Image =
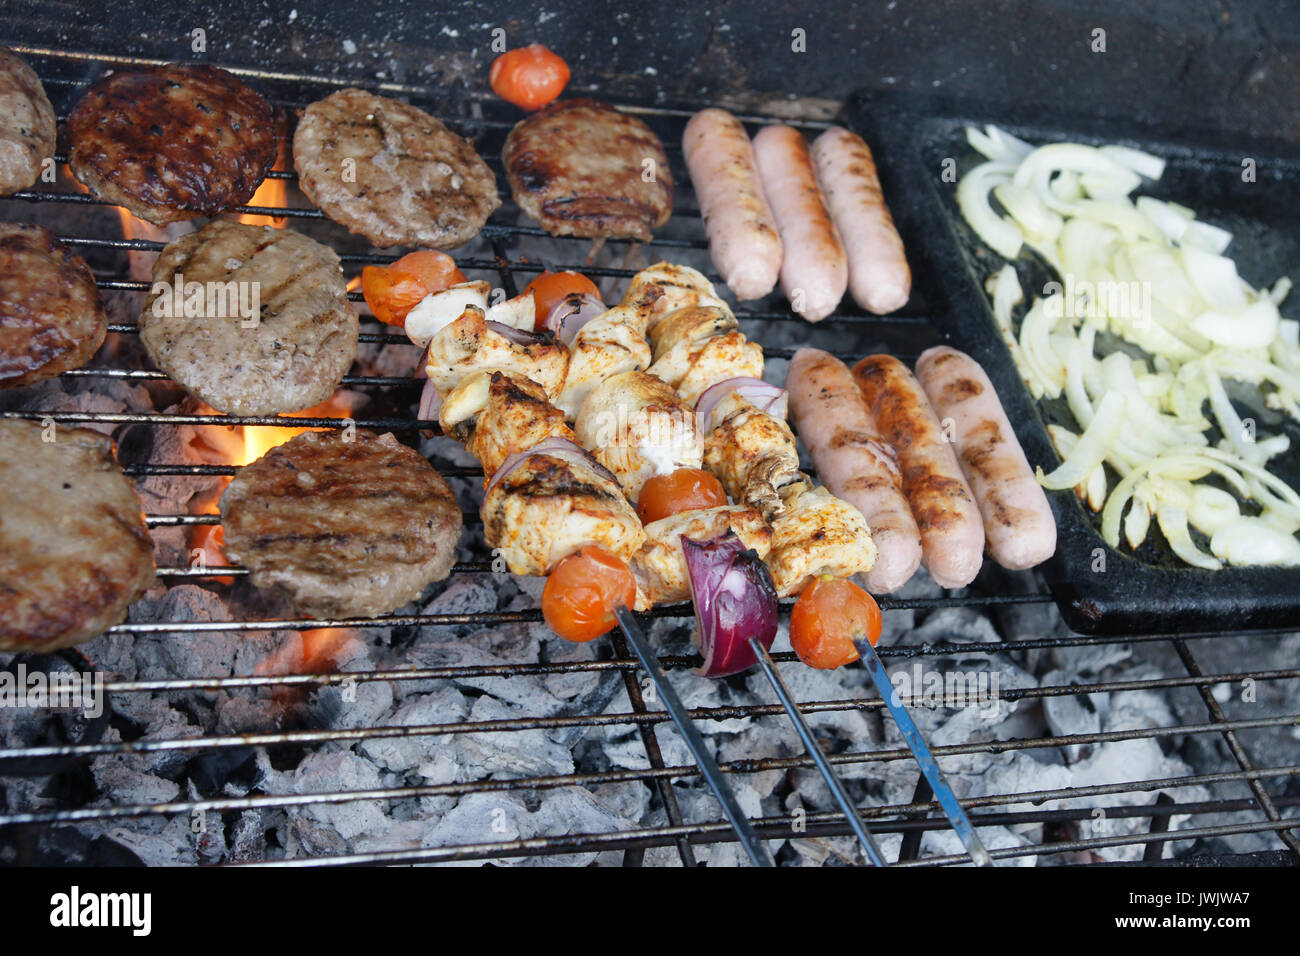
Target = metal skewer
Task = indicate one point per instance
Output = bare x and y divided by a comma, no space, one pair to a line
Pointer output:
838,791
756,848
921,751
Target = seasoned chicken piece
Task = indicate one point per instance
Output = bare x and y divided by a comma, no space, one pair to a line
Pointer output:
721,358
637,428
817,533
690,326
607,345
497,414
553,503
660,566
471,345
699,346
663,288
752,453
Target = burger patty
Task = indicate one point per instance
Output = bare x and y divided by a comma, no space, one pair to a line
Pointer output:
51,317
582,168
74,550
262,325
346,527
172,142
27,124
391,172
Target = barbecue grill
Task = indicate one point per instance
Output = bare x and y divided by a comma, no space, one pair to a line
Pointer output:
1249,794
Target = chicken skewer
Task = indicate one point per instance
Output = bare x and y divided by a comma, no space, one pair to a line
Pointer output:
552,509
700,350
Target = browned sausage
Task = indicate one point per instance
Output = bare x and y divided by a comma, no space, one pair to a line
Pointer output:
952,533
1018,522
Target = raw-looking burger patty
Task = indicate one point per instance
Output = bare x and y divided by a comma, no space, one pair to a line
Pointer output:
74,550
391,172
290,357
172,142
51,317
27,124
347,528
582,168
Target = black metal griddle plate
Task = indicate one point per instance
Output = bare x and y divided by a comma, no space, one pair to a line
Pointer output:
1099,589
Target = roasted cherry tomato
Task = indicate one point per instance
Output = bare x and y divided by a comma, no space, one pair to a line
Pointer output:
393,291
530,77
583,592
829,616
551,288
682,490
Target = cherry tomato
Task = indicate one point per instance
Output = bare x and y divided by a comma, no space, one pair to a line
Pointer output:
682,490
551,288
829,616
530,77
393,291
583,592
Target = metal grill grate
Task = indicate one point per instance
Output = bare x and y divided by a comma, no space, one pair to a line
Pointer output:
1251,807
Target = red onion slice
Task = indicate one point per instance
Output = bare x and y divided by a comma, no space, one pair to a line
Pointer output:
430,402
735,600
571,313
772,399
554,446
518,336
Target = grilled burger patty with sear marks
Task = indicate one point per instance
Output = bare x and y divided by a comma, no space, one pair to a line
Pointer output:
172,142
346,528
51,317
391,172
289,356
27,124
582,168
74,549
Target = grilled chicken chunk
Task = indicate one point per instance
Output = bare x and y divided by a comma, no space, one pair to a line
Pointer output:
663,288
74,549
607,345
550,505
171,142
497,414
752,453
580,169
699,346
637,428
27,124
660,566
471,345
815,534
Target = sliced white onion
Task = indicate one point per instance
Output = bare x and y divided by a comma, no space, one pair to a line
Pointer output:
1093,445
1002,235
437,310
768,398
1207,237
1144,164
1254,541
1173,524
1253,327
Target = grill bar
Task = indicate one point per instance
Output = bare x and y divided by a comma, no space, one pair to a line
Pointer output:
512,267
